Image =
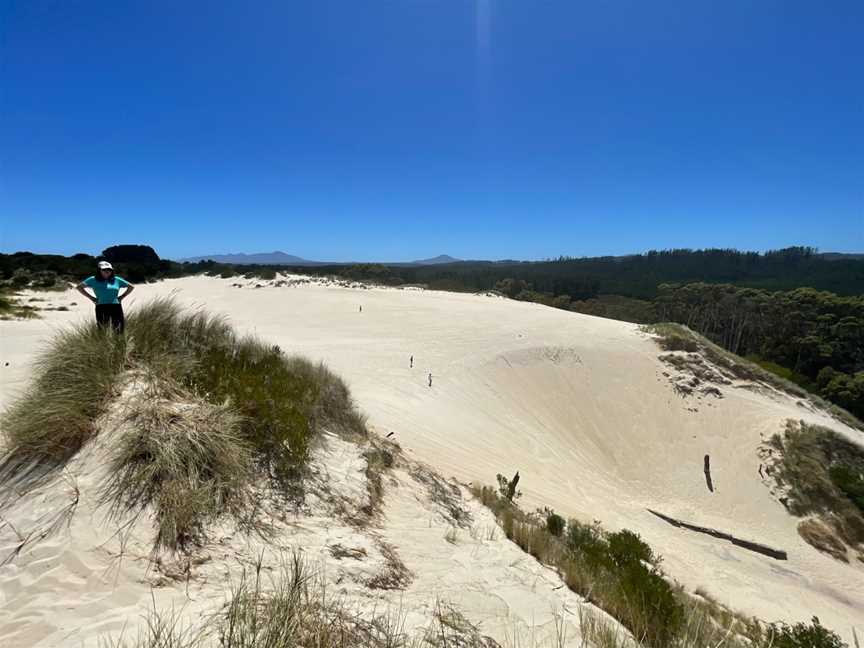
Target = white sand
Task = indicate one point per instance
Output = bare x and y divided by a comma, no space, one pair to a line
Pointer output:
579,405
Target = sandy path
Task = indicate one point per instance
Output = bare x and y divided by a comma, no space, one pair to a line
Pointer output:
577,404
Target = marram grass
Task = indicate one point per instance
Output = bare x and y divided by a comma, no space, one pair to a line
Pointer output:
217,412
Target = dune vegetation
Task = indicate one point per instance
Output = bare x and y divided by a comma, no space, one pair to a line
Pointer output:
292,607
205,415
677,337
820,476
622,575
12,308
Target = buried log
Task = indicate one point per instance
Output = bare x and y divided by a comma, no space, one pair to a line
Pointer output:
765,550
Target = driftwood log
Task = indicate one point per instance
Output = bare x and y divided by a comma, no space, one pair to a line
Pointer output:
765,550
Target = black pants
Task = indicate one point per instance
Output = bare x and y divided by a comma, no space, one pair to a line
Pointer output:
110,314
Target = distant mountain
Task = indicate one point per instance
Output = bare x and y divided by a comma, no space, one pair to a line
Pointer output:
841,256
438,260
281,258
260,258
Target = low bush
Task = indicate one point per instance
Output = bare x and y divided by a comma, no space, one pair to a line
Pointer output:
784,373
802,635
275,403
631,586
850,480
555,524
616,571
822,474
620,573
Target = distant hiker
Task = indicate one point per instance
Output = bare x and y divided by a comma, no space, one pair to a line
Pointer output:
361,309
106,286
430,379
411,362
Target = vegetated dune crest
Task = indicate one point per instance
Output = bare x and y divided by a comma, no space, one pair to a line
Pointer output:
597,425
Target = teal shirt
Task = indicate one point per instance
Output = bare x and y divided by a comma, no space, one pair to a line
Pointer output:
106,291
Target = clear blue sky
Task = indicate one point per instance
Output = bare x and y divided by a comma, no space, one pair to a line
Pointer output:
404,129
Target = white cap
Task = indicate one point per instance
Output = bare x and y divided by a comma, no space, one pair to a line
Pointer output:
104,265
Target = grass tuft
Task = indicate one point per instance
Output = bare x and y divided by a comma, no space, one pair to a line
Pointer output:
73,379
182,456
294,608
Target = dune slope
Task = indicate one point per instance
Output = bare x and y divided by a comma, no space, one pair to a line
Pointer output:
579,405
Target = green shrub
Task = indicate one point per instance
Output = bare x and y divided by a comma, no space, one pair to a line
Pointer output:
44,279
589,544
648,606
21,278
784,372
846,390
555,524
822,474
630,586
802,635
620,574
626,547
850,481
276,403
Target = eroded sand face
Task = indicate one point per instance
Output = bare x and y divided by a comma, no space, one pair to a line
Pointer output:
579,405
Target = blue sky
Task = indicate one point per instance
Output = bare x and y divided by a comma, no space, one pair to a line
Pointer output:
404,129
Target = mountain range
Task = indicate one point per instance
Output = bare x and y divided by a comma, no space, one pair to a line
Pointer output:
282,258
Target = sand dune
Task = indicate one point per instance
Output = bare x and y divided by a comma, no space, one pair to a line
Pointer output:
579,405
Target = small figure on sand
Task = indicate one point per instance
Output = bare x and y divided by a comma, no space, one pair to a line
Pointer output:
430,379
411,362
361,309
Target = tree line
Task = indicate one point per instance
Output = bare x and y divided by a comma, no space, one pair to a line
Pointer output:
817,336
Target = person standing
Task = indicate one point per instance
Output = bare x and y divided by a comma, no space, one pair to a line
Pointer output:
411,362
430,379
106,288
